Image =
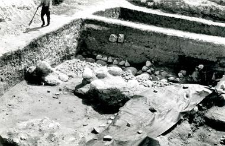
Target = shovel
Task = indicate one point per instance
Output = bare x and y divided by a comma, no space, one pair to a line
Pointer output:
33,17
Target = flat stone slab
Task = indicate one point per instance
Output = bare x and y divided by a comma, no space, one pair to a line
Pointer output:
215,117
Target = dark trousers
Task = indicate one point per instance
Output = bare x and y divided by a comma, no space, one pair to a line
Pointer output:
45,11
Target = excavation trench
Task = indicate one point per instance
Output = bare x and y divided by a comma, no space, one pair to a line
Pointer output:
170,43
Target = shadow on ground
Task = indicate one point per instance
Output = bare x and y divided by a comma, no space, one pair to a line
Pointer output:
32,29
97,105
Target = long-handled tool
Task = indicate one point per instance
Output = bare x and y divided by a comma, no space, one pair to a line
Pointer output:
33,17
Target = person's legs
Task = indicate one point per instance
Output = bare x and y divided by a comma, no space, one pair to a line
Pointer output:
42,16
48,16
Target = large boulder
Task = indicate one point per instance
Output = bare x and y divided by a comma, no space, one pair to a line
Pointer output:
88,74
115,71
143,77
112,91
52,79
36,74
215,117
133,70
43,68
101,72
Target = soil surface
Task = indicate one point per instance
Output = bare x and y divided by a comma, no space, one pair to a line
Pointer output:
26,102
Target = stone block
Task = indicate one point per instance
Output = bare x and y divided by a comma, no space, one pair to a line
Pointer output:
121,38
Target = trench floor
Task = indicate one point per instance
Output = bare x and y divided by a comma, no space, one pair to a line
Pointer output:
24,102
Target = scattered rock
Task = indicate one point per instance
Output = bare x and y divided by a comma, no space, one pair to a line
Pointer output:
23,136
147,83
121,38
185,87
80,57
122,63
222,140
96,130
157,72
101,73
49,133
139,72
99,57
177,80
110,60
113,38
85,124
52,80
115,62
103,125
152,69
127,64
180,75
144,68
195,109
148,63
140,132
149,71
103,63
63,77
104,58
115,71
91,60
133,70
164,74
150,4
109,122
143,1
112,118
107,138
171,79
55,97
143,77
88,74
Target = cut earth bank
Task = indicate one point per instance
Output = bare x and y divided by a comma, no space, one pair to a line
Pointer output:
101,90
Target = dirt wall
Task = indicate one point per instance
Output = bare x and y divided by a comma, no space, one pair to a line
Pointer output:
140,46
53,47
163,21
209,9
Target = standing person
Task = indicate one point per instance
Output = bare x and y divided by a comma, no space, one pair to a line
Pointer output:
46,6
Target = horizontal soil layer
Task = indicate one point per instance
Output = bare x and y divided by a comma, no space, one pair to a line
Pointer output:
163,21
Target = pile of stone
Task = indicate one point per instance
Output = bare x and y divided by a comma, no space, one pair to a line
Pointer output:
144,76
107,85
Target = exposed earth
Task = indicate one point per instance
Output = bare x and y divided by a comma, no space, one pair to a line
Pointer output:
95,99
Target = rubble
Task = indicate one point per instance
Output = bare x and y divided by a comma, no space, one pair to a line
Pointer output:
133,70
48,132
115,71
107,138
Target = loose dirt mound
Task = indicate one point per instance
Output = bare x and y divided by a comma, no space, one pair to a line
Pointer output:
15,15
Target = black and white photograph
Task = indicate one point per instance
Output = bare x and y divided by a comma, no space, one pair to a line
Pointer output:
112,72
